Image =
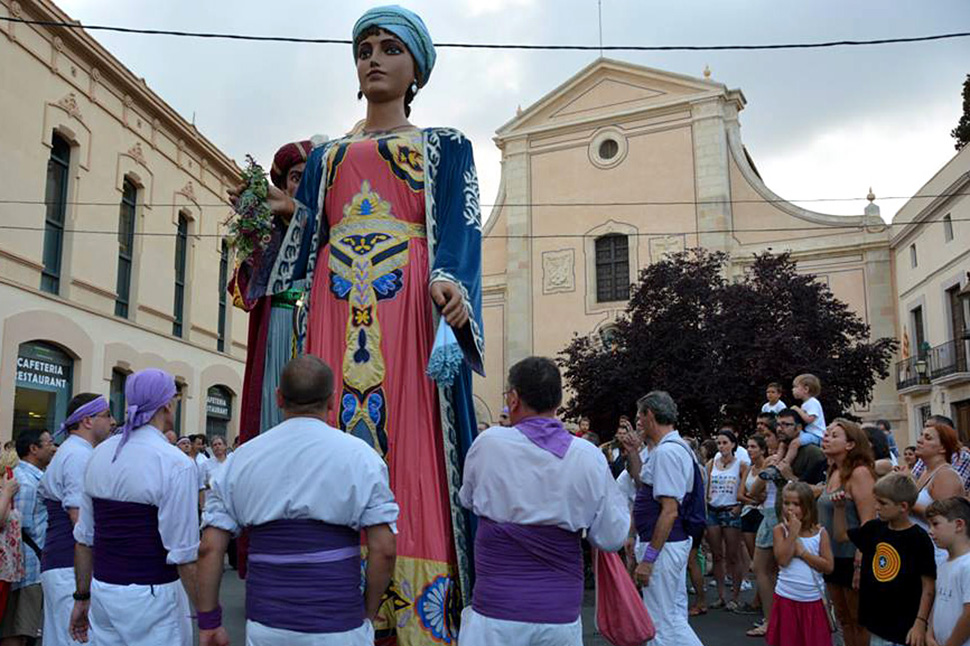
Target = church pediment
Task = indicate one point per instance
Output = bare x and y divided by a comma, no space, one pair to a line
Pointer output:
608,87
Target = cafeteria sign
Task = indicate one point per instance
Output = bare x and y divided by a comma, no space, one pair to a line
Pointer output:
217,403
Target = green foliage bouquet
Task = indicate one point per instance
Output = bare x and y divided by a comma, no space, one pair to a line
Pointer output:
251,225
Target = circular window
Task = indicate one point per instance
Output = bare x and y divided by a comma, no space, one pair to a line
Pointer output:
609,148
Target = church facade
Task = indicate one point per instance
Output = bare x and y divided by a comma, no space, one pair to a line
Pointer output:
615,168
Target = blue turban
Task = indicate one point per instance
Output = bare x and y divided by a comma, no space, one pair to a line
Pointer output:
407,26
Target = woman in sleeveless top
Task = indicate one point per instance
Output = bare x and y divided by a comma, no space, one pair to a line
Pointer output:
725,474
851,470
936,446
751,513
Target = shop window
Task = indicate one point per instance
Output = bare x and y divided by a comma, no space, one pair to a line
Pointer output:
43,387
218,411
117,395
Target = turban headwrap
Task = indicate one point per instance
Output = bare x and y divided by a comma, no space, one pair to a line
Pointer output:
286,158
90,409
145,391
407,26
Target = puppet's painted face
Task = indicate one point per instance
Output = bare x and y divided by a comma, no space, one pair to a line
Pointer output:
385,67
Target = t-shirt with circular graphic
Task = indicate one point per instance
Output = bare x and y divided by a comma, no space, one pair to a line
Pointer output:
890,586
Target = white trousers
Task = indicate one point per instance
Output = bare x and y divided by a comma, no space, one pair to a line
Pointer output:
258,634
479,630
140,615
58,588
666,596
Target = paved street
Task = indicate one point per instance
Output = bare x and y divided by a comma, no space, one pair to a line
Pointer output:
716,628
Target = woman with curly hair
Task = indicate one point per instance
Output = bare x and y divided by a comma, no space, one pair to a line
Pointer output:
851,476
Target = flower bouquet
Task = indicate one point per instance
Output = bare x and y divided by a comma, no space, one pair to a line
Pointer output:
251,224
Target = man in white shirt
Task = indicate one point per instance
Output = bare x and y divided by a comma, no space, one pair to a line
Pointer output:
138,531
304,511
535,489
667,477
89,422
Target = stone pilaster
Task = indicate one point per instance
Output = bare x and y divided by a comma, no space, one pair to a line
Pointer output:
518,319
712,180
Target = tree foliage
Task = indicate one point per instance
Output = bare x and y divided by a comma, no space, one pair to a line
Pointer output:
715,344
962,132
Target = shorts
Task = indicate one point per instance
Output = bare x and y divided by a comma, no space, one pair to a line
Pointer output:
765,538
723,518
805,438
751,521
25,613
842,572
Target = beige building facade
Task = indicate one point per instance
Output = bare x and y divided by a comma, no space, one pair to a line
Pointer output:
111,256
931,260
615,168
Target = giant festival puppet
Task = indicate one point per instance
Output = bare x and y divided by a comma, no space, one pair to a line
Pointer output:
382,242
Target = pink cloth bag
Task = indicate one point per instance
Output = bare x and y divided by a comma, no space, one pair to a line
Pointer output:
621,617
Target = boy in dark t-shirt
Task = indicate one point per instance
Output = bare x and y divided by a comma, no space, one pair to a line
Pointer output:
898,572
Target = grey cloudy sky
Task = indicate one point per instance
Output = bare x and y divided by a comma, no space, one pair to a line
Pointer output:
819,123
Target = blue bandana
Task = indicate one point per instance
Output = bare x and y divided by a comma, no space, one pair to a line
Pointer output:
407,26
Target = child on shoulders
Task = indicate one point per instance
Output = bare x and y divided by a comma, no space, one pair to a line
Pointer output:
807,388
950,528
804,552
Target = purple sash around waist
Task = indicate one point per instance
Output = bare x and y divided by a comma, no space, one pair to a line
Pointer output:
530,573
304,575
59,543
127,546
646,512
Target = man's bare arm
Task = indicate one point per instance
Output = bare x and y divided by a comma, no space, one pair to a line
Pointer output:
381,555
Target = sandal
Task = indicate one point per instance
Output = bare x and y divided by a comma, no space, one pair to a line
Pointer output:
748,609
717,605
697,610
731,606
758,631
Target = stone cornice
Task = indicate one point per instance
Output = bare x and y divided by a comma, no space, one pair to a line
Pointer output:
705,89
928,211
104,67
120,321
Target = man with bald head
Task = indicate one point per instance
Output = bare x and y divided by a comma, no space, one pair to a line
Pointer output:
303,584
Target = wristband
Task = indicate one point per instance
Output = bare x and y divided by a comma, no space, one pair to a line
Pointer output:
651,554
211,619
923,620
82,596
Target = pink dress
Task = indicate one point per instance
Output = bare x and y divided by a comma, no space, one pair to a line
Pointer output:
371,321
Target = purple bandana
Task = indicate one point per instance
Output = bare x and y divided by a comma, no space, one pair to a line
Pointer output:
90,409
547,433
145,391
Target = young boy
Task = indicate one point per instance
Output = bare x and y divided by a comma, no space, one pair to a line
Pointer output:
898,569
807,388
950,528
774,403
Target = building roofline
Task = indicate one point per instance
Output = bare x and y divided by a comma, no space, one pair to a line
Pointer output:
80,42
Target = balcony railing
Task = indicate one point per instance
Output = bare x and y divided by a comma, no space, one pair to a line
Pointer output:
949,358
912,372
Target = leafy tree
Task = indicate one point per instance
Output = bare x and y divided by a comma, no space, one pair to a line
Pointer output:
962,132
715,343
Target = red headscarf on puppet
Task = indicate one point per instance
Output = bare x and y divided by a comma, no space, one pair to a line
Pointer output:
286,158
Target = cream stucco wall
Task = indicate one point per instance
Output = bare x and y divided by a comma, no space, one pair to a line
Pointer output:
941,265
681,179
61,80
